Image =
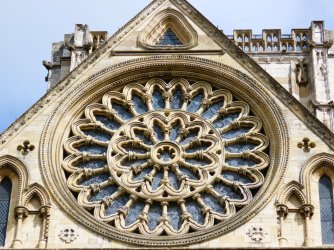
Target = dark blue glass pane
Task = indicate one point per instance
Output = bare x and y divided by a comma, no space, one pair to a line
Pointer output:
235,133
175,132
237,162
159,133
195,211
105,192
225,190
95,180
134,213
175,215
232,176
213,110
141,136
154,215
212,202
192,134
140,105
226,120
158,100
189,173
166,156
98,135
93,149
326,210
3,227
204,146
325,185
111,124
240,147
195,103
177,99
173,180
92,164
197,162
142,174
133,163
157,180
5,191
4,205
122,112
168,38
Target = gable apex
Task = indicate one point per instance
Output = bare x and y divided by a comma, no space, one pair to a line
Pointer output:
172,21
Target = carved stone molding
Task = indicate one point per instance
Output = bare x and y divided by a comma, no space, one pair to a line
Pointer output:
323,160
11,164
269,114
176,22
292,188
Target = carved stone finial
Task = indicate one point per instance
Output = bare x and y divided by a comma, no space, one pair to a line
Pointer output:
306,210
282,210
45,211
25,148
306,145
21,212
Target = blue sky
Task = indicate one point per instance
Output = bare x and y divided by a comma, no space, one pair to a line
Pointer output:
29,27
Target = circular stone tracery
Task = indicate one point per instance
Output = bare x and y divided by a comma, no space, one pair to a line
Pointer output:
166,142
166,159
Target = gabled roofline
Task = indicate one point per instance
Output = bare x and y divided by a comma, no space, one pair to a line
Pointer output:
220,38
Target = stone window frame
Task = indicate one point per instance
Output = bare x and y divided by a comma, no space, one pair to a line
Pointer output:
16,171
160,23
318,166
91,90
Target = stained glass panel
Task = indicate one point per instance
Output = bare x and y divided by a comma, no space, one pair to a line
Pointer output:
326,210
5,190
169,38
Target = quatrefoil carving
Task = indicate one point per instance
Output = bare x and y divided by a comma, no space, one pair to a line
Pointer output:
26,147
306,145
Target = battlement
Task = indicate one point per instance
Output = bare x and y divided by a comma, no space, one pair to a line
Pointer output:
272,40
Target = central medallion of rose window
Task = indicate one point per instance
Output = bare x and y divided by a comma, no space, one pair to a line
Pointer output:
166,159
166,155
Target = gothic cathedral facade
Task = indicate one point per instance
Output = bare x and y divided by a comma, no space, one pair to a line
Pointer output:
171,134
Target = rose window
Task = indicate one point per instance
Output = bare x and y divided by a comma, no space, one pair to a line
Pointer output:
166,158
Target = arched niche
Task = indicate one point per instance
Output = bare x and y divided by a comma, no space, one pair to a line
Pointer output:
168,20
317,167
16,172
36,201
290,205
